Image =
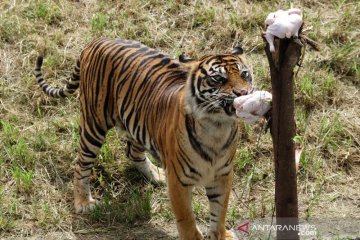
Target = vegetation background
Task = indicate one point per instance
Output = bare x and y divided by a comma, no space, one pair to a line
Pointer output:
39,135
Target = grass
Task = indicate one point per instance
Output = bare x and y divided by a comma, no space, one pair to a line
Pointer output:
39,135
98,22
136,206
23,179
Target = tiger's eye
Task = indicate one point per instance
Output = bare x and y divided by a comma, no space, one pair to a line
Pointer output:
245,74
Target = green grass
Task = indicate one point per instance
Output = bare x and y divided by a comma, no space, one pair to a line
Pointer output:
2,163
243,158
167,215
306,159
20,153
44,10
23,179
200,210
10,30
40,136
98,22
10,133
136,206
7,222
204,17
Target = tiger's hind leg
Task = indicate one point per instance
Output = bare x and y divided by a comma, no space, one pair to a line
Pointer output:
136,153
91,141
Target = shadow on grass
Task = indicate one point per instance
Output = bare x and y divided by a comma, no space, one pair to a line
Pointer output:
125,209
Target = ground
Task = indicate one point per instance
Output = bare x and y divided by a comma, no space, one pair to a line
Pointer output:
39,135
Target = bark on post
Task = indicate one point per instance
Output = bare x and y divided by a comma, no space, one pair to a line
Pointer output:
282,62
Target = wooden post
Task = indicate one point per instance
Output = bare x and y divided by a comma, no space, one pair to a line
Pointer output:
282,62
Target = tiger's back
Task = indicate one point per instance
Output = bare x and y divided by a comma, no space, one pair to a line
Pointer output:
120,85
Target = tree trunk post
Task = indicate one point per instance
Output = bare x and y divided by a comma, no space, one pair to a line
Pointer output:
282,62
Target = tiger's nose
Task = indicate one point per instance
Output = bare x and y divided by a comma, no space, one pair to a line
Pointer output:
240,92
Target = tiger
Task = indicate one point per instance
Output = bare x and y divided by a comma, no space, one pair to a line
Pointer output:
178,110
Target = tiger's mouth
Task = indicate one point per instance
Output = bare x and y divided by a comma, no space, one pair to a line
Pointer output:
230,110
229,106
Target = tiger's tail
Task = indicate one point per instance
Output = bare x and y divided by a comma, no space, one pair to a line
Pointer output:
58,92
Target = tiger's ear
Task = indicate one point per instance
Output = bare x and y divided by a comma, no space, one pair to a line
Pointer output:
185,59
237,50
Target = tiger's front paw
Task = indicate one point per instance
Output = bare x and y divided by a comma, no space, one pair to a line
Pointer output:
230,235
196,235
85,205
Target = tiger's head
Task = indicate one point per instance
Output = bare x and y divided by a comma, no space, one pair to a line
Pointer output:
215,81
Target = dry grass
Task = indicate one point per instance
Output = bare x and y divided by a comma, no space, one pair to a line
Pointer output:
39,135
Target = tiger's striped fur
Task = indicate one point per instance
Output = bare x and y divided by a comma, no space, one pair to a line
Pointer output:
180,112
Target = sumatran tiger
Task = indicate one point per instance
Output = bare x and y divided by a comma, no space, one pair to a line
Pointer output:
181,112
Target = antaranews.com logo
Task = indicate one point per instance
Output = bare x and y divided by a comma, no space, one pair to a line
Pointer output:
263,228
248,229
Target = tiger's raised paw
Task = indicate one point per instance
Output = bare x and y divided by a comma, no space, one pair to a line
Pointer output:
85,205
153,173
157,175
